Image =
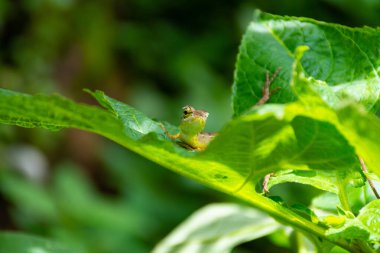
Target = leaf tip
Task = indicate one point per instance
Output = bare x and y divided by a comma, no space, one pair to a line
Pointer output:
300,51
256,14
93,93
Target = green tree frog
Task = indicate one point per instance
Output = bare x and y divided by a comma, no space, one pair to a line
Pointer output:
191,127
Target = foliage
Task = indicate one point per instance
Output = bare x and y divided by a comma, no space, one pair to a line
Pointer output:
31,243
218,228
312,131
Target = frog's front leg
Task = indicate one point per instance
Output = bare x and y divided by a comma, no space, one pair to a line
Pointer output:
171,136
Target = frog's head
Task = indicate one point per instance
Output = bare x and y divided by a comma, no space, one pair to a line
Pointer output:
193,121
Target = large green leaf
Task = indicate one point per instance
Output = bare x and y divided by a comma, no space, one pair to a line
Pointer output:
219,167
357,126
218,228
21,243
270,138
345,60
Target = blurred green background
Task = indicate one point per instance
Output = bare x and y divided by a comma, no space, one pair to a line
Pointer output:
158,56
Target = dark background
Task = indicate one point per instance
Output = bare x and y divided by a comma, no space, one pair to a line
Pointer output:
157,55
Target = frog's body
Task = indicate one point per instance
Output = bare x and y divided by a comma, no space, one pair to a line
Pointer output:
191,127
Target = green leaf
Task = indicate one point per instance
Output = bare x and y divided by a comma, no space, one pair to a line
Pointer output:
219,167
334,221
362,130
309,244
370,218
351,119
52,113
342,62
135,123
281,237
305,212
366,226
351,230
268,139
317,178
304,244
218,228
21,243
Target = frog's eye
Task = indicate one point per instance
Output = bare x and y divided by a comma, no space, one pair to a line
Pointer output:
187,111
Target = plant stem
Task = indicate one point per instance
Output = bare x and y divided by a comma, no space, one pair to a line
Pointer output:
361,246
364,247
342,193
364,168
